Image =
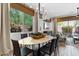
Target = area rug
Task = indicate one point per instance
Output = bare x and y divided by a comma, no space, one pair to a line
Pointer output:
76,45
62,44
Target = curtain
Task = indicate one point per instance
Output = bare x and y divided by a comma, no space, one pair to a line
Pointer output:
5,42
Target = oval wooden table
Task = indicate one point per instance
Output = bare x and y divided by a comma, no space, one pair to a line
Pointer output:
33,42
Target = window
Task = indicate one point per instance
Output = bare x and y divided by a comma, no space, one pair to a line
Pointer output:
72,25
20,21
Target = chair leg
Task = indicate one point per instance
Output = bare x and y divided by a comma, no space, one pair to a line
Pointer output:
74,41
54,51
50,54
58,50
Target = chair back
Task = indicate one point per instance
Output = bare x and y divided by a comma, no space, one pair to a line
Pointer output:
56,41
45,32
16,48
30,34
23,35
52,45
50,33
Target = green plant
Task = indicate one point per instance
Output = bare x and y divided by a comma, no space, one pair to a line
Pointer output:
20,18
67,29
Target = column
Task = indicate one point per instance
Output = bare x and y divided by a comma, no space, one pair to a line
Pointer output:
5,30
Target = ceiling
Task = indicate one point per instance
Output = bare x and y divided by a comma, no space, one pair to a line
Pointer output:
59,9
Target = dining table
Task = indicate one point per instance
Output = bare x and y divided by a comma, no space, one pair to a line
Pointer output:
32,42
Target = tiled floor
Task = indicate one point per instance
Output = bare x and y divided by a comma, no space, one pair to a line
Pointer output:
70,49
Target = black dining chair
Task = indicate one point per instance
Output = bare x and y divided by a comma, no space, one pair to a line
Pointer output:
30,34
23,35
56,50
45,32
50,33
17,49
48,48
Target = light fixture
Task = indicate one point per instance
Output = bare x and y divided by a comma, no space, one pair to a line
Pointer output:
77,11
77,17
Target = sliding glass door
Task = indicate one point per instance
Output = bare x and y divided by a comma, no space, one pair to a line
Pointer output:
67,26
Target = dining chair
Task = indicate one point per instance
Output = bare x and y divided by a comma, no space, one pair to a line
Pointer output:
48,48
50,33
45,32
23,35
62,38
17,50
56,50
30,34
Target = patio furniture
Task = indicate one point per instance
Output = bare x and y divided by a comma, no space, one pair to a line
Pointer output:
30,34
56,45
62,38
17,50
23,35
50,33
45,32
50,47
33,42
75,37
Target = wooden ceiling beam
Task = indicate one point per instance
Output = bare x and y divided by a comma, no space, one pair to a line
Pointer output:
22,8
68,18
